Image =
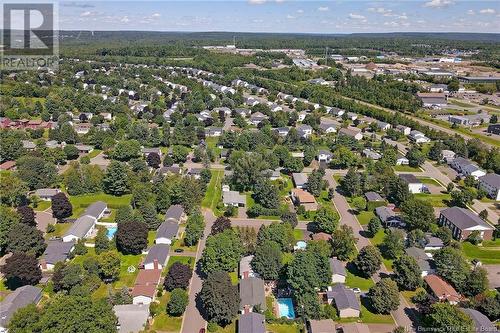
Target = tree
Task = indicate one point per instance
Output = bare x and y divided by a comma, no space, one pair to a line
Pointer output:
178,276
177,303
121,296
116,180
153,160
483,214
309,270
123,214
444,317
351,183
393,244
368,260
24,318
149,216
281,233
109,265
290,218
343,243
9,218
220,298
222,252
126,150
416,238
267,261
315,182
374,225
415,157
101,241
131,237
343,157
398,190
418,214
452,266
194,229
26,215
326,219
407,273
25,238
21,269
61,206
220,224
266,194
69,313
12,190
309,303
477,282
462,198
359,203
36,172
71,152
384,296
247,170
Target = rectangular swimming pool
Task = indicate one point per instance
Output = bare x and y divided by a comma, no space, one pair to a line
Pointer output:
285,308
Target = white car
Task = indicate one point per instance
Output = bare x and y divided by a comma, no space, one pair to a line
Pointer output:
356,290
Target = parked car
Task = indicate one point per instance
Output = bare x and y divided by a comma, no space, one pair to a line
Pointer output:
179,250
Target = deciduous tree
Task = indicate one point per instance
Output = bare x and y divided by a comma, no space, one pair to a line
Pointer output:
267,261
220,299
384,296
368,260
21,269
131,237
178,276
61,206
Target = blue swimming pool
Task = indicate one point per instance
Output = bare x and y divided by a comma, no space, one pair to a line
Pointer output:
111,232
285,308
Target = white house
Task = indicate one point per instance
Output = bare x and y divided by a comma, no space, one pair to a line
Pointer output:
157,257
167,232
324,156
418,137
81,228
403,129
414,185
402,161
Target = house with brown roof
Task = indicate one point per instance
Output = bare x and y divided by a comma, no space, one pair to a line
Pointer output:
144,290
442,289
305,199
321,326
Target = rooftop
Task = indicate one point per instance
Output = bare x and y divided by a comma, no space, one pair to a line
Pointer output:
463,218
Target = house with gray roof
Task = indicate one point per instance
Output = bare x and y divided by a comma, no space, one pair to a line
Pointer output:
424,262
147,151
304,130
339,272
324,156
383,126
351,132
46,194
19,298
345,301
373,197
371,154
157,256
132,318
388,217
167,232
300,180
481,322
96,210
462,222
490,183
175,213
251,294
56,251
213,131
328,127
81,228
251,322
414,184
233,198
245,268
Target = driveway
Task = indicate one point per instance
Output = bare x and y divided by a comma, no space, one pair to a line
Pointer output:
493,275
43,219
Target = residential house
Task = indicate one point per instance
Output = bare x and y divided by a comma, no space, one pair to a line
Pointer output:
383,126
132,318
339,272
442,289
144,290
300,180
81,228
462,222
447,155
275,107
252,322
213,131
97,210
403,129
355,328
321,326
402,161
194,172
433,100
83,128
233,198
439,88
352,116
167,232
250,101
302,115
304,131
252,294
345,301
173,170
19,298
490,183
257,117
175,214
351,132
424,262
281,131
305,199
46,194
432,243
459,120
324,156
147,151
321,236
157,257
56,251
371,154
481,322
84,149
466,168
388,217
328,127
8,165
318,81
414,184
245,269
28,145
418,137
243,112
336,112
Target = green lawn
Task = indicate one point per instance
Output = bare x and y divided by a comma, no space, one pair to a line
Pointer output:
408,294
163,322
42,205
214,190
61,229
364,217
486,254
289,185
283,328
182,259
298,234
355,280
94,153
436,200
430,181
151,237
406,168
127,279
179,244
377,241
368,316
231,328
80,202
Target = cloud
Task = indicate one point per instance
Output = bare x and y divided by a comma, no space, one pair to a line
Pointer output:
487,11
256,2
438,3
470,12
356,16
257,21
77,5
290,17
403,16
156,15
125,19
300,11
87,13
323,9
380,10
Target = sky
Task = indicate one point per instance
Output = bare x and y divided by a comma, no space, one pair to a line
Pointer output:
280,16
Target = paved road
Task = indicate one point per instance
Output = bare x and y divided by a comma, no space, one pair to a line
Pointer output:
192,321
348,218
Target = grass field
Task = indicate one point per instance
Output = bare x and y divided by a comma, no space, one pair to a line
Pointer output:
486,254
364,217
214,191
430,181
182,259
283,328
406,168
355,280
231,328
377,241
298,234
61,228
436,200
163,322
42,205
80,202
